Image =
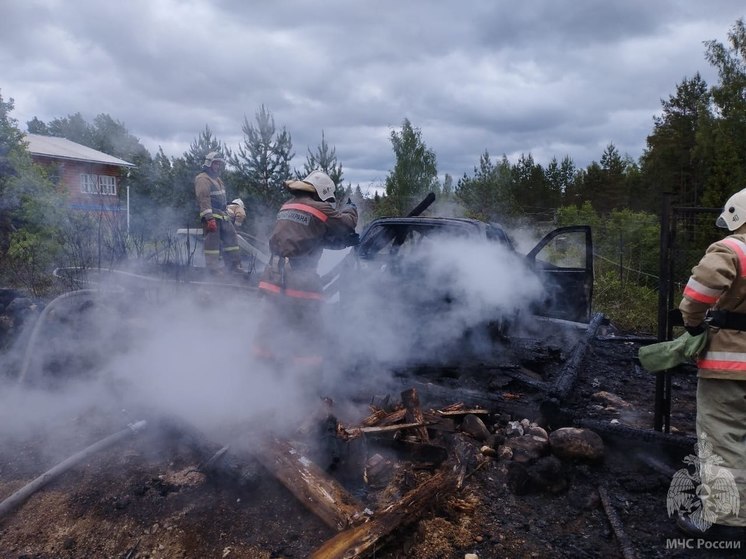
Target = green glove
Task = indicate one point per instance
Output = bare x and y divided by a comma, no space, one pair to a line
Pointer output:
666,355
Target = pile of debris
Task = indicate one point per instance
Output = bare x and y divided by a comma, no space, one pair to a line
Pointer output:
516,457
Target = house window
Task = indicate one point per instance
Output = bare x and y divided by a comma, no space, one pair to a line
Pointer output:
98,184
107,185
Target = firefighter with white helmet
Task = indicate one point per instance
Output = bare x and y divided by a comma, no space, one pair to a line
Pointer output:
217,224
714,304
291,330
236,211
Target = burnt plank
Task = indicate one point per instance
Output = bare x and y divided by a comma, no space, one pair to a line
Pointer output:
363,539
321,494
413,413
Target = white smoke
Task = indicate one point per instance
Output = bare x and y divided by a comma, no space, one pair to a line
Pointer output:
416,305
184,351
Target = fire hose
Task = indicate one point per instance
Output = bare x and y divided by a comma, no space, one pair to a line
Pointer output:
20,496
40,322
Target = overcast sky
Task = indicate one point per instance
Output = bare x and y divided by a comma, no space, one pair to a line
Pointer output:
546,77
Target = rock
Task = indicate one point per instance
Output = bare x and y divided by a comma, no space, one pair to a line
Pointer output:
610,400
504,452
528,448
514,429
571,443
537,431
488,451
475,427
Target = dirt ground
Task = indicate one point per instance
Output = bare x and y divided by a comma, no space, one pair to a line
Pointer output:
146,497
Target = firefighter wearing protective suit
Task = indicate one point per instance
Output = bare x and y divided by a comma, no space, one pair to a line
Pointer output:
715,302
217,224
291,333
236,212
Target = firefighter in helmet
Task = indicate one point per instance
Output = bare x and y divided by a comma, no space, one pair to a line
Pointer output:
291,330
714,305
217,224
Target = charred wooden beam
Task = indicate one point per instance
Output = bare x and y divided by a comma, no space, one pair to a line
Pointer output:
413,413
436,395
627,436
321,494
625,544
566,379
374,418
353,432
363,539
465,411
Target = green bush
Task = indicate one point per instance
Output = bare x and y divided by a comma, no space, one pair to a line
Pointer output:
629,306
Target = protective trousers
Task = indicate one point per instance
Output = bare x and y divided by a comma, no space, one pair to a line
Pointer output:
721,421
225,235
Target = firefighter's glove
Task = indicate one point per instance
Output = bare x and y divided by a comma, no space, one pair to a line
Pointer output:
211,225
695,330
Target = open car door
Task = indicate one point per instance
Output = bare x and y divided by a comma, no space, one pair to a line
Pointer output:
564,261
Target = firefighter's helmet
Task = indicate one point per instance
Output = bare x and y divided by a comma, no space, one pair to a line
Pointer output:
734,212
212,157
318,182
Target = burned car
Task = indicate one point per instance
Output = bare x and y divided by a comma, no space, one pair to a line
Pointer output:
416,287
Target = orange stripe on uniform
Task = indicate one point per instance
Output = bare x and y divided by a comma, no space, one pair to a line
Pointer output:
297,293
712,364
698,292
305,208
740,249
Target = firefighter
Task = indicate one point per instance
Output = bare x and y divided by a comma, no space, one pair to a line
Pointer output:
217,224
291,332
236,211
715,302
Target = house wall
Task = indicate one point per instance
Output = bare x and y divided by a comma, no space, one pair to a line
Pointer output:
67,175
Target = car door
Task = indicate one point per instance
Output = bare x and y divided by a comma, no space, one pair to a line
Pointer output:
564,261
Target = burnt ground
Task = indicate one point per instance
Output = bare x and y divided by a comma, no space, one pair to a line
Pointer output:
131,501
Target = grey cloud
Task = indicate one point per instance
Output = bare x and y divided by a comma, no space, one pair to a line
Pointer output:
502,76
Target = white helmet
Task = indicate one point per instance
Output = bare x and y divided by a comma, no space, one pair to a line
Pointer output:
238,202
734,212
318,182
212,156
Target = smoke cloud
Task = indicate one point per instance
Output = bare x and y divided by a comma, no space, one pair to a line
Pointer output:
144,348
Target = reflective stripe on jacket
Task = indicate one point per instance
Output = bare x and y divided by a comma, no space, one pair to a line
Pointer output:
718,281
297,242
210,193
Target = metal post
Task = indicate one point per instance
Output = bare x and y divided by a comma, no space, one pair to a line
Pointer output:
661,417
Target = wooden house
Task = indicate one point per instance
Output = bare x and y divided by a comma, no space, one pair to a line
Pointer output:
90,177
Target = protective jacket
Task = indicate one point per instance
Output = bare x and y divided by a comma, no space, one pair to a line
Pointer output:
304,225
210,193
719,282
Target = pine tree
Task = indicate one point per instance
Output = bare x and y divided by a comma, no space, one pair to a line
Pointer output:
415,171
262,161
325,159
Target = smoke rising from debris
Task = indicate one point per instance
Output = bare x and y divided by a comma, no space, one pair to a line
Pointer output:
184,351
419,304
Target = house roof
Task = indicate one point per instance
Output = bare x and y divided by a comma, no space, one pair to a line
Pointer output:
62,148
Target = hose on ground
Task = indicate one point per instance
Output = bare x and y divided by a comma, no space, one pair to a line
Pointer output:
20,496
28,354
